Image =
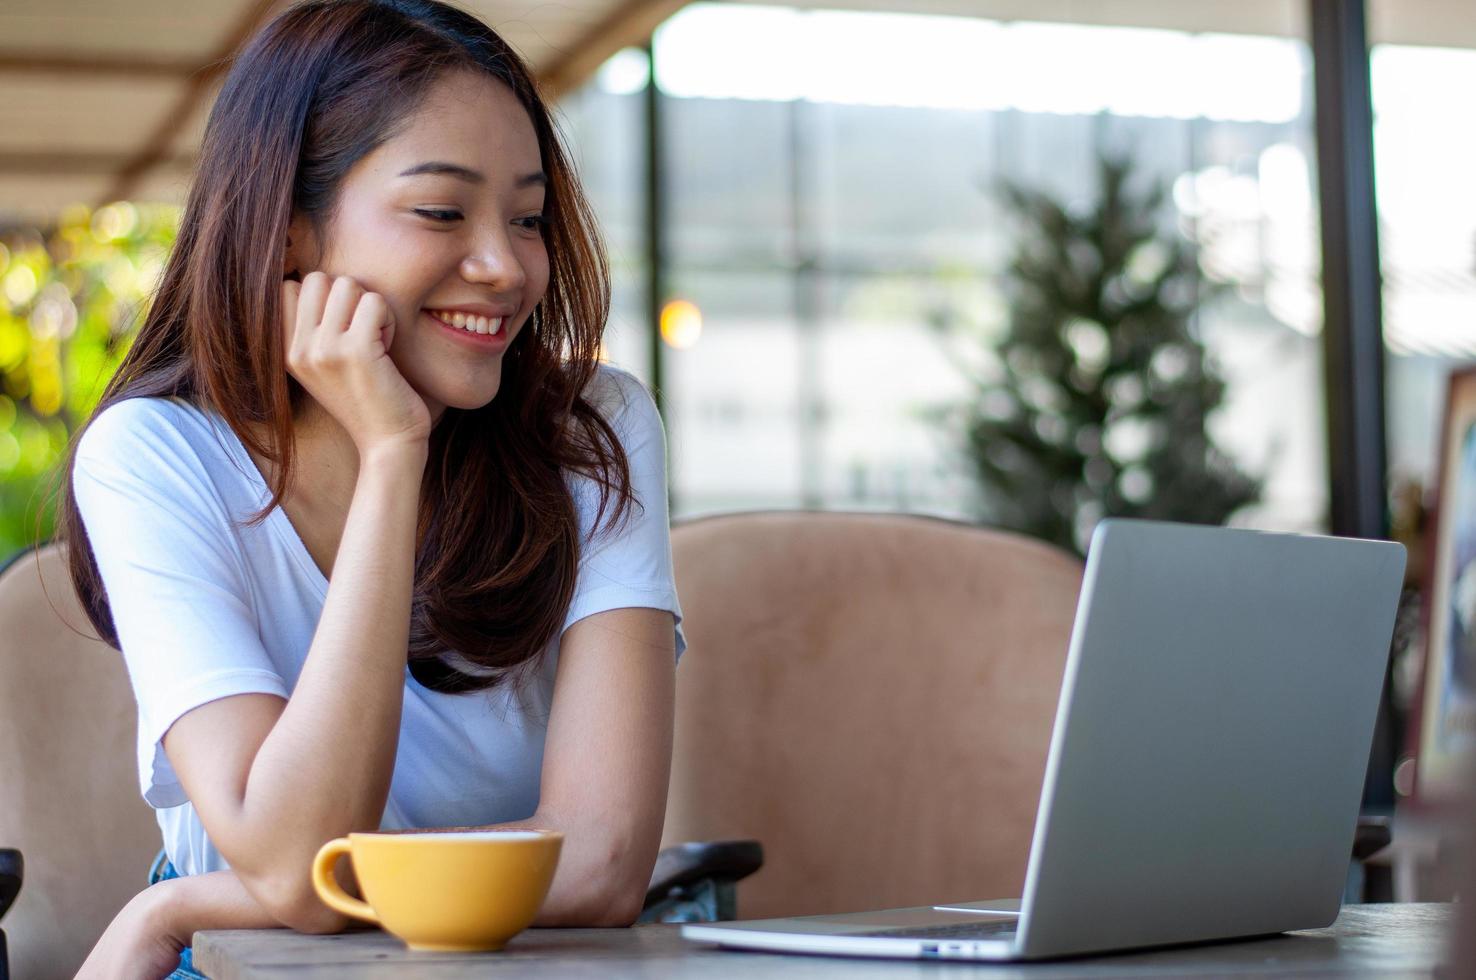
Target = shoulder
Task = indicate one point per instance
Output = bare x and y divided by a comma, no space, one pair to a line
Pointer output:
624,402
148,435
156,415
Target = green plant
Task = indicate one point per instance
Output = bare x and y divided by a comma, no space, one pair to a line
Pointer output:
70,300
1094,400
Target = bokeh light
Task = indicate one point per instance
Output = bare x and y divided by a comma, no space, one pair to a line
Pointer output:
20,285
114,221
70,301
681,324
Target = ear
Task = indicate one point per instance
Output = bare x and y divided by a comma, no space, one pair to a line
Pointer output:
301,254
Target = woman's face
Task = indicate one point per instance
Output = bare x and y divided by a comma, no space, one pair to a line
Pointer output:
444,220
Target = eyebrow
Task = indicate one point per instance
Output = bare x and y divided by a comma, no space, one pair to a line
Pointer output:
469,175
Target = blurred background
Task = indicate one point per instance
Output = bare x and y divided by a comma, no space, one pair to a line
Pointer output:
1025,264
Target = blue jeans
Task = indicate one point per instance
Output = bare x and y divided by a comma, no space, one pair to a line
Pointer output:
162,870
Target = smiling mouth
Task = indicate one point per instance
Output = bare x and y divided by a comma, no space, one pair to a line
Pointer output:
485,325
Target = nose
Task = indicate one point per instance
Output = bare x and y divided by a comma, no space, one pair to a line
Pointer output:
494,262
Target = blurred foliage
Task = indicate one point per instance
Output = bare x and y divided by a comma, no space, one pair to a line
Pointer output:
70,300
1094,401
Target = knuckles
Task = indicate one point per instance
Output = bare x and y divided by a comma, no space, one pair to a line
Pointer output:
314,351
346,284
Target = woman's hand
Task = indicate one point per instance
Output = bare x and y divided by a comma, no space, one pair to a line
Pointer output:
338,340
139,942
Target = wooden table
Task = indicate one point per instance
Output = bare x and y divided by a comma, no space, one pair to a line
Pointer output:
1384,941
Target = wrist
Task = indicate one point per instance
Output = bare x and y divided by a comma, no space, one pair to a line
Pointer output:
399,454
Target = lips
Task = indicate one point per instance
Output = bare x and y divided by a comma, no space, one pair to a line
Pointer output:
469,322
497,337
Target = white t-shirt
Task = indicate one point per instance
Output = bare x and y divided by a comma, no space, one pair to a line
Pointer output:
206,606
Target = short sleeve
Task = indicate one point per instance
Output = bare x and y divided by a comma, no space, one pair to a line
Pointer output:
628,564
165,546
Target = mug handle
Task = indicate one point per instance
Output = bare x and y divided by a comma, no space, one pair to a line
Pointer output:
328,888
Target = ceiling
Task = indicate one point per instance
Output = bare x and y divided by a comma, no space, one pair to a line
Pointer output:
104,99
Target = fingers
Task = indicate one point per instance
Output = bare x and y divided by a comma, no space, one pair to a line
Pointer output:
339,308
323,312
311,299
372,321
291,342
320,307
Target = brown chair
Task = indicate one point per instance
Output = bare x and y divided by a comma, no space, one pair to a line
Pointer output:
871,697
69,799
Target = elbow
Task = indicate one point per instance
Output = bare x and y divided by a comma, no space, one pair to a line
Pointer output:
623,910
595,892
292,901
619,894
313,917
281,883
603,874
611,911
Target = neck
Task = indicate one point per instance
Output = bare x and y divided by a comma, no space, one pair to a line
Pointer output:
327,461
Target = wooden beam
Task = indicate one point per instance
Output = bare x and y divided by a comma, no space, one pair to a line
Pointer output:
627,25
53,163
156,145
95,65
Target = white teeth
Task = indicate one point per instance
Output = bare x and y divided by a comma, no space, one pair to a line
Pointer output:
469,322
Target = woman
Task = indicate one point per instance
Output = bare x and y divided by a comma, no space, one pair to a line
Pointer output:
380,541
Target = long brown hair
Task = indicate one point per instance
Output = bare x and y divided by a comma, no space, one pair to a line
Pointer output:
316,90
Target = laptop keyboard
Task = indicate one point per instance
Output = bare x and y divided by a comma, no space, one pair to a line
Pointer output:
993,929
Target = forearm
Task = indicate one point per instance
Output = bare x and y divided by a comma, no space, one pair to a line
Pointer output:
146,936
324,769
616,685
601,879
210,901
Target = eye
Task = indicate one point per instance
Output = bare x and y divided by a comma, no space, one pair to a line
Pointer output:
438,215
534,222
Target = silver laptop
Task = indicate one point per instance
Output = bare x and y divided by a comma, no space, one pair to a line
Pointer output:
1207,761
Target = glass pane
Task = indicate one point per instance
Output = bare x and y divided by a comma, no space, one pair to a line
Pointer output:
733,398
1424,161
628,331
900,187
879,192
884,373
604,124
1249,202
727,181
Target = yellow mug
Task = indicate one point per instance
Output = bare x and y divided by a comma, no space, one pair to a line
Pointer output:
448,891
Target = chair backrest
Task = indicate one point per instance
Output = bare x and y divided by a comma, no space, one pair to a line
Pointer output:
870,696
69,797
